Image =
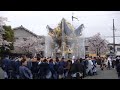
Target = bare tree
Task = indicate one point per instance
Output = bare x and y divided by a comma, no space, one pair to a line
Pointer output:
97,45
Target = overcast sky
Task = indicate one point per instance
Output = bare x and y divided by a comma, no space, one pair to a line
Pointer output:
94,21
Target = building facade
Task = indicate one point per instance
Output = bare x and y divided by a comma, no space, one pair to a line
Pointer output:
33,43
93,53
117,49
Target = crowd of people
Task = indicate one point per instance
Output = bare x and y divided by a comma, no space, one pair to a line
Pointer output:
54,68
111,63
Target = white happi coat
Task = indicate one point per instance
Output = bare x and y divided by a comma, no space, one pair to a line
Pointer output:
109,59
90,65
73,59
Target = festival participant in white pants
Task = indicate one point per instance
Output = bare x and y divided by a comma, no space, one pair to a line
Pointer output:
109,63
94,66
90,66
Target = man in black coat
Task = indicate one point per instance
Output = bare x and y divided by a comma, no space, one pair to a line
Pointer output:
6,66
118,69
43,69
85,64
77,68
117,60
24,71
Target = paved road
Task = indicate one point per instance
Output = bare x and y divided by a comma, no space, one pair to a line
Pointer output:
1,74
105,74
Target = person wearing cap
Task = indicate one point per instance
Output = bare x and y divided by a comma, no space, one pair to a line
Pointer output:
73,59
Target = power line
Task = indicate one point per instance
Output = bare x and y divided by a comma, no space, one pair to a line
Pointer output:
109,36
101,14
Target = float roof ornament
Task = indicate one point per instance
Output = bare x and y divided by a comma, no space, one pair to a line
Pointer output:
79,30
67,28
49,28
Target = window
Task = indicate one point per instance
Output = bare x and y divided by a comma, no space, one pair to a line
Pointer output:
111,48
118,49
43,44
24,39
86,48
16,38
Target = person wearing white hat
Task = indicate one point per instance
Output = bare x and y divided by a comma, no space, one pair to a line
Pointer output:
90,66
73,59
109,62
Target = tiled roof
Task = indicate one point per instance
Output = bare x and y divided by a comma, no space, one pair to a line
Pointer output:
21,27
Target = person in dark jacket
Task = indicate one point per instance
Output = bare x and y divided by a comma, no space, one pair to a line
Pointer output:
77,69
43,69
113,63
29,63
13,68
34,67
24,72
6,66
56,66
117,61
80,68
118,69
85,64
62,65
52,69
68,70
17,65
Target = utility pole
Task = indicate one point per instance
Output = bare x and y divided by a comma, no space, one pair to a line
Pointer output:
63,38
113,37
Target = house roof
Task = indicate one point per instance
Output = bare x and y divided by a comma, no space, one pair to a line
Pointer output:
21,27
